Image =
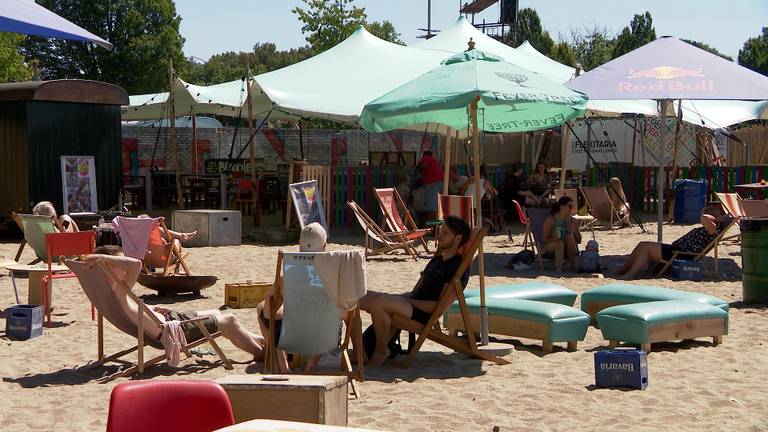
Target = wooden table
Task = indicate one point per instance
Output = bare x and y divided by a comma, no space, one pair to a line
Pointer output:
755,189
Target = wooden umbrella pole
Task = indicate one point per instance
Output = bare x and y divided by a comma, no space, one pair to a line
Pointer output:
565,138
660,180
172,121
447,156
251,152
479,219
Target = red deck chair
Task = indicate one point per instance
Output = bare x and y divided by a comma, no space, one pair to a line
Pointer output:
65,244
390,203
456,205
166,406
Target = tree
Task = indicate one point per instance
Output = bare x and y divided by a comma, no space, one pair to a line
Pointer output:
592,46
144,33
385,30
754,53
529,29
707,48
12,66
328,22
563,53
229,66
639,33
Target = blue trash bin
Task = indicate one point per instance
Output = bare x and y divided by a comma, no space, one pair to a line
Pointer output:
690,199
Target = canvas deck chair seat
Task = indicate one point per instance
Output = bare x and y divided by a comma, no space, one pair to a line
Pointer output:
600,206
96,283
391,204
387,242
35,227
143,239
453,290
690,256
732,204
311,319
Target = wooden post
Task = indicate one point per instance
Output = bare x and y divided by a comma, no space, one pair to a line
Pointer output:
678,124
660,181
447,157
251,151
172,121
632,165
564,139
100,330
194,142
140,338
479,218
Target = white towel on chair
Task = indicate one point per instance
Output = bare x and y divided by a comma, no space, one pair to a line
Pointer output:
173,341
343,275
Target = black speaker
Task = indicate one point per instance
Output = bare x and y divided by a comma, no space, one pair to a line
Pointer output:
509,11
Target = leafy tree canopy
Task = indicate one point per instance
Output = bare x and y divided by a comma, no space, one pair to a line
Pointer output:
639,33
754,53
12,66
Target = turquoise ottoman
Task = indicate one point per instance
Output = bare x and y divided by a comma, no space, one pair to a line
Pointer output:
599,298
547,322
539,291
658,321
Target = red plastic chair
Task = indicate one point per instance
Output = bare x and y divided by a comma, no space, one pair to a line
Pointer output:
169,406
65,244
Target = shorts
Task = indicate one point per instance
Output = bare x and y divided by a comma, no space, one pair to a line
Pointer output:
430,195
419,315
191,331
278,326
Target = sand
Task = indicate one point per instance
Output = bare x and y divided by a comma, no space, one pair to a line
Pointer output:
693,385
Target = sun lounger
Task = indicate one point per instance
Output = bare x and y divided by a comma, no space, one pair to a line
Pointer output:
659,321
388,242
600,206
35,227
690,256
141,234
391,203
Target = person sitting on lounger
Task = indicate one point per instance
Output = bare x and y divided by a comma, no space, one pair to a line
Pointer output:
128,269
421,301
560,233
694,241
45,208
619,200
158,247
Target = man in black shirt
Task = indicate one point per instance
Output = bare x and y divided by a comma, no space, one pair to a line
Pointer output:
421,301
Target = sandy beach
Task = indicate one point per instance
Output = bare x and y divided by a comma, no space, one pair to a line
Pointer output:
692,385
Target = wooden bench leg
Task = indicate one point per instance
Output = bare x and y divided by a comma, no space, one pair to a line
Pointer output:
717,340
572,345
613,344
547,346
646,347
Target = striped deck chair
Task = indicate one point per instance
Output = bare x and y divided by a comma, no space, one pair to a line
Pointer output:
731,203
391,203
388,242
460,206
600,206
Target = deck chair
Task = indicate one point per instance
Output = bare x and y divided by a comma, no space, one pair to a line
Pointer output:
139,234
35,227
390,203
389,242
453,290
712,246
731,203
460,206
754,208
96,282
600,206
310,330
528,238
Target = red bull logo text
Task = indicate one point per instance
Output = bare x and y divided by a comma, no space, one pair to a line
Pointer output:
667,78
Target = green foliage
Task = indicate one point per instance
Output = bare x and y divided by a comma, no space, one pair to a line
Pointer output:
530,29
592,47
145,35
563,53
328,22
754,53
231,65
12,66
385,30
705,47
639,33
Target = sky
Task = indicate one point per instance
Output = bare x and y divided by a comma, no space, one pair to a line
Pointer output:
236,25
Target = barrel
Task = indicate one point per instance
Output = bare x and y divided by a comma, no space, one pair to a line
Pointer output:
690,199
754,259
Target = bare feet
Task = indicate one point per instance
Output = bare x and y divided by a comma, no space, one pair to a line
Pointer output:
378,358
188,236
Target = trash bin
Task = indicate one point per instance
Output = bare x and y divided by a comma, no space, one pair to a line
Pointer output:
690,199
754,259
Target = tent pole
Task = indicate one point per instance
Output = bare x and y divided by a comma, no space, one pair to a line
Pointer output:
660,186
632,165
251,152
479,219
172,121
447,156
564,140
678,124
194,142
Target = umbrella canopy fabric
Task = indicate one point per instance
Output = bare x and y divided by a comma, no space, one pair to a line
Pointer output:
668,68
225,99
27,17
511,99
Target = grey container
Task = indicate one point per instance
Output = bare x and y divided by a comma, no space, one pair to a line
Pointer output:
214,227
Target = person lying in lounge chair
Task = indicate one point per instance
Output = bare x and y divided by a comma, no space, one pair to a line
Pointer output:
128,269
694,241
45,208
421,301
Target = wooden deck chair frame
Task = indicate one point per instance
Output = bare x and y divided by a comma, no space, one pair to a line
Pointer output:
141,338
406,226
431,329
712,246
173,251
613,216
390,242
731,203
528,238
353,333
17,219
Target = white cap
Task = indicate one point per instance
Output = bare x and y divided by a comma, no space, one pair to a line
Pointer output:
312,238
593,245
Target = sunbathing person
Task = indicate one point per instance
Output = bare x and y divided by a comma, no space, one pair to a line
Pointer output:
619,200
158,247
694,241
127,269
421,301
561,234
45,208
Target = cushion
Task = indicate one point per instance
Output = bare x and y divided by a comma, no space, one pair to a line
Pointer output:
592,301
632,322
539,291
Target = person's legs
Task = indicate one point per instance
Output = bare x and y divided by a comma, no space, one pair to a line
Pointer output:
231,329
381,308
558,247
633,256
570,251
645,252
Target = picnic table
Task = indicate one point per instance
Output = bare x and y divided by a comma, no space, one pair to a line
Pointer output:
757,190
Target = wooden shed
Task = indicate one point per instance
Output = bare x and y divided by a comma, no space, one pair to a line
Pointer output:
41,121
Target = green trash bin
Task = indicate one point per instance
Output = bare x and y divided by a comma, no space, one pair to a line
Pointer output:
754,259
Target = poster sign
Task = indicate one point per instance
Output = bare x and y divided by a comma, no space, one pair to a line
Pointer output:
308,203
78,181
224,166
606,140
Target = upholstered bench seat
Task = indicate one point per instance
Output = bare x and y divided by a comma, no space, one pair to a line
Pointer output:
547,322
658,321
539,291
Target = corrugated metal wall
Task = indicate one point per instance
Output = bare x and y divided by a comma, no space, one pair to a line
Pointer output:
13,158
58,129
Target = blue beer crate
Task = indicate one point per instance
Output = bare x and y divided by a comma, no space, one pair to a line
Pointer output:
24,321
687,270
621,368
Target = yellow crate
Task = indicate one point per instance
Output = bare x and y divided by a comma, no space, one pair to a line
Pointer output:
245,294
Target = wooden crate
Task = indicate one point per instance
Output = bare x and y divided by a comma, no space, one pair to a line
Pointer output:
319,399
246,294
